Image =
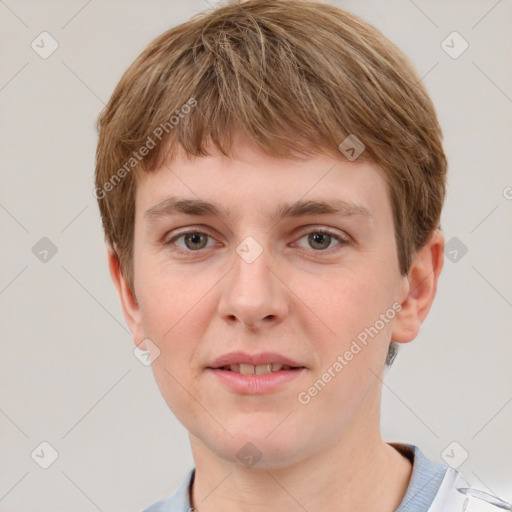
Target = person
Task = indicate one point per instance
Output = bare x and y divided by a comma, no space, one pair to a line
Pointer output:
270,176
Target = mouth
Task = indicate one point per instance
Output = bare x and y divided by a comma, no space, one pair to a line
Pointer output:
260,369
254,364
261,379
255,374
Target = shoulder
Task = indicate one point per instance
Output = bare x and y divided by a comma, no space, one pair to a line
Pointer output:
456,494
436,487
179,501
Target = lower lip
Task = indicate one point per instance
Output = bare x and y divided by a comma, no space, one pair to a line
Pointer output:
256,384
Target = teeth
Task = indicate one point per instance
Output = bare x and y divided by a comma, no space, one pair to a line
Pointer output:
260,369
246,369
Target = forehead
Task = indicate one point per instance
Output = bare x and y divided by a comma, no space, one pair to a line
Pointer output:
254,183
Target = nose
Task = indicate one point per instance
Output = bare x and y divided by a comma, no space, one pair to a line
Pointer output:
253,294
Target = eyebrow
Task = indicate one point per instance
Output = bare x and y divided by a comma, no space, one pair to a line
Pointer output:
176,206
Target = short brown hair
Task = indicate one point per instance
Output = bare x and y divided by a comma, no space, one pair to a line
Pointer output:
298,77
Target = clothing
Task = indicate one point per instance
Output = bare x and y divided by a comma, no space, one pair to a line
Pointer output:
432,488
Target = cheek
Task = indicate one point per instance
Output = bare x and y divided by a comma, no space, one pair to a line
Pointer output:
358,310
171,310
352,352
174,318
167,292
354,298
168,301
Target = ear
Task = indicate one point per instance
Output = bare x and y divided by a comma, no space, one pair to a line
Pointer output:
420,287
131,308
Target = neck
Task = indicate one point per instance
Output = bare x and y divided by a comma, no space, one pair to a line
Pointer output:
345,477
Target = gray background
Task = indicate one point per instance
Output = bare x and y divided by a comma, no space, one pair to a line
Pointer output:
68,375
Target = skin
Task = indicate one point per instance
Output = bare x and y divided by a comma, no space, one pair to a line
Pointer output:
306,301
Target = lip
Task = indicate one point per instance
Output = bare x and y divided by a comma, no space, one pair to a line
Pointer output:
255,384
254,359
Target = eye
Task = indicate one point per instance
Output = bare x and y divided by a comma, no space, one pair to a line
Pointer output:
193,240
320,239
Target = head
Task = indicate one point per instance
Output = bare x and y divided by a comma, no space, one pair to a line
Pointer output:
252,106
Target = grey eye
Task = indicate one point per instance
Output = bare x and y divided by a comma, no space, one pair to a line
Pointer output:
319,240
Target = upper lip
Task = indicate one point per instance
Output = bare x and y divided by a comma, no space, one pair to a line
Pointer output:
254,359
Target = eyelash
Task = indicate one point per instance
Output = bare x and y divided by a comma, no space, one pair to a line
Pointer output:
342,240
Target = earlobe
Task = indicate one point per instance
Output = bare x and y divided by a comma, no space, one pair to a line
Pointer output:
129,303
421,289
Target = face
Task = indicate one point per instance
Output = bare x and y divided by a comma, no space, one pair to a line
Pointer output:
267,280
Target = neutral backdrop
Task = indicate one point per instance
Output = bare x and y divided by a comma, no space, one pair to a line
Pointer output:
68,375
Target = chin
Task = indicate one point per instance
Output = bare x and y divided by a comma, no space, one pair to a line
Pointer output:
255,448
